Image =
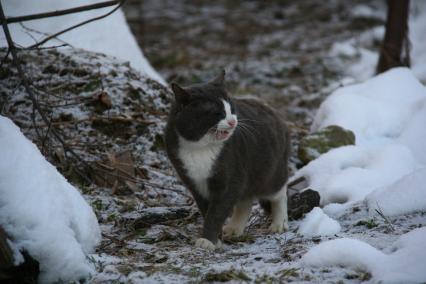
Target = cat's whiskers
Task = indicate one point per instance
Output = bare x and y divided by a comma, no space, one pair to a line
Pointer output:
251,120
248,126
245,130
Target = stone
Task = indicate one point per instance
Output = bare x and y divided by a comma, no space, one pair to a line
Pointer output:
322,141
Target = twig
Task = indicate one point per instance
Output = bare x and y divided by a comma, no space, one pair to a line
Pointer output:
30,30
296,182
112,118
113,172
46,136
120,3
380,212
10,20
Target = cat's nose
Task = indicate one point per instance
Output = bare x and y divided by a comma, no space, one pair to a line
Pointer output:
232,122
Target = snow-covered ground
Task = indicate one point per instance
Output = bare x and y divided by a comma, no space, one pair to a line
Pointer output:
403,262
110,35
42,213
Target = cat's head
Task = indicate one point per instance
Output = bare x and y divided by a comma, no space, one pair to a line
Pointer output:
204,113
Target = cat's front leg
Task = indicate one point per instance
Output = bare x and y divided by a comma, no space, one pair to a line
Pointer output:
218,211
202,203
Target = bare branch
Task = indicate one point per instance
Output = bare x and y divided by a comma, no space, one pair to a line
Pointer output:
29,30
10,20
77,25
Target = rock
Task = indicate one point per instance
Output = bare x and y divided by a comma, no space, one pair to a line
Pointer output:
156,215
322,141
301,203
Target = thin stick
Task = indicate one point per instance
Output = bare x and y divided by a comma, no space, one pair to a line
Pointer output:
99,118
10,20
76,26
30,30
380,212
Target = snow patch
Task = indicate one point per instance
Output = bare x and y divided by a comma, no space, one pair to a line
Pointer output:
317,223
386,113
41,212
405,196
405,264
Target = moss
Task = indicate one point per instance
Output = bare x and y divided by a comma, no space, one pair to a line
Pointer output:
317,143
291,272
92,85
159,143
98,205
227,275
370,224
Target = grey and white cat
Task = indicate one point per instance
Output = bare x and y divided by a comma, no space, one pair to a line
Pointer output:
228,152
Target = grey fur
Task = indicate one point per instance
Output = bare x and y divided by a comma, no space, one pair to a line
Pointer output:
252,164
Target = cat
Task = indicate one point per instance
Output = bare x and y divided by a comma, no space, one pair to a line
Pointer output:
228,152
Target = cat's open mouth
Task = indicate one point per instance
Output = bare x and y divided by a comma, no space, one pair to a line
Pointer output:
221,134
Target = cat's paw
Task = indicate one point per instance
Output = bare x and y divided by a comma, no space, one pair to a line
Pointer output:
278,227
232,231
205,244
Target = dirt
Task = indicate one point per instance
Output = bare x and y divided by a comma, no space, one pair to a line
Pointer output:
275,50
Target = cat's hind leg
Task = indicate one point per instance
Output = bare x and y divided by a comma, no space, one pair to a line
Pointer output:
238,221
279,212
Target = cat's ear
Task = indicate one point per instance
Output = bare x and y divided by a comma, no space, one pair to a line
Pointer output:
182,97
220,79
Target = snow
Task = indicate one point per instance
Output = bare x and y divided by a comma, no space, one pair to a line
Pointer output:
385,113
317,223
378,109
405,196
110,35
385,169
41,212
404,264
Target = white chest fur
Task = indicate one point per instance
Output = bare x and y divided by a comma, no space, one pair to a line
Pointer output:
198,162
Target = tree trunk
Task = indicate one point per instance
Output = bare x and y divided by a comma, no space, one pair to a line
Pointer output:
395,48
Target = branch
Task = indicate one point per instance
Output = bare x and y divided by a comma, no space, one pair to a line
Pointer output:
10,20
30,30
77,25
